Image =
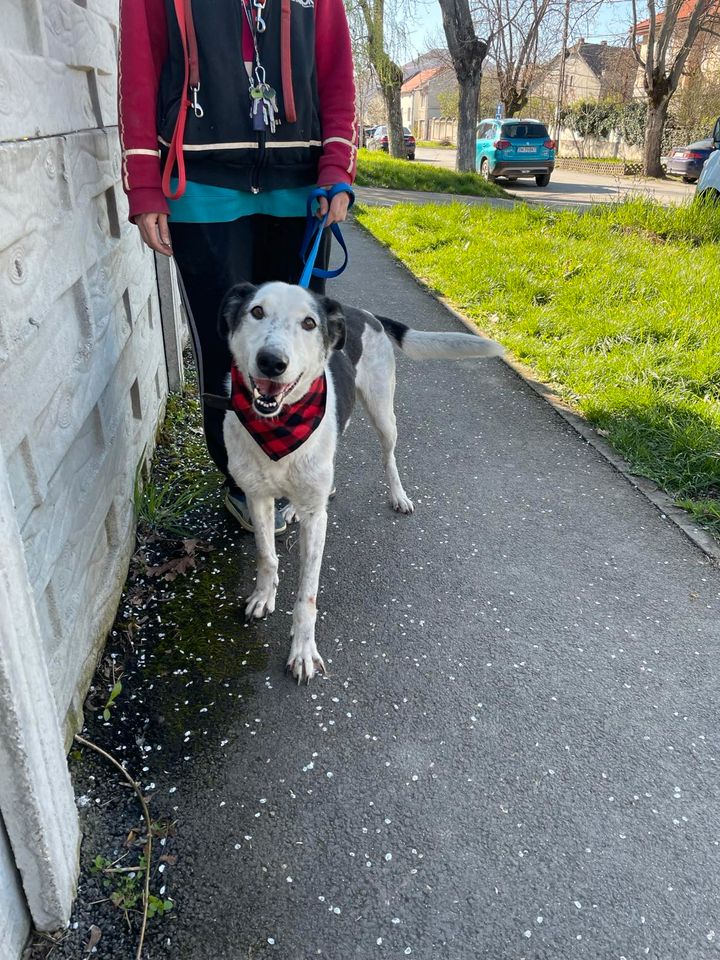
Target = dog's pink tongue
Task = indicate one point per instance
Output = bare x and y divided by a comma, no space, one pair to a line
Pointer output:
269,388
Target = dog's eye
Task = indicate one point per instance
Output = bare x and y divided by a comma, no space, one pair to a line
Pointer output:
308,323
258,312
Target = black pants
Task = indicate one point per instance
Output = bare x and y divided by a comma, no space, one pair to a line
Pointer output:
211,257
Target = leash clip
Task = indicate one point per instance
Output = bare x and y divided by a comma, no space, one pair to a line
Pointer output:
197,109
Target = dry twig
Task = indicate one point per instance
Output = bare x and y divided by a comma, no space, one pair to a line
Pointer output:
148,846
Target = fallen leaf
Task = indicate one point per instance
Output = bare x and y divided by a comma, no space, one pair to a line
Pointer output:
95,935
171,568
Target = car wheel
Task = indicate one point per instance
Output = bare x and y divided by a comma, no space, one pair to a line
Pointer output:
707,196
512,179
689,179
485,170
542,179
411,156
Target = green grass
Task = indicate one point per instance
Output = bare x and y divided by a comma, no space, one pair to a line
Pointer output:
377,169
617,307
435,144
182,476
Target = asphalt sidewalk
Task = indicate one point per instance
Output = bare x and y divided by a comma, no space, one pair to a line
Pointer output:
516,752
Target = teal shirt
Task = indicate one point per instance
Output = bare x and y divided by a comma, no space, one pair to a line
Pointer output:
205,203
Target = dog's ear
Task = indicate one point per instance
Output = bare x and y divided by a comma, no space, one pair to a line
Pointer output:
232,308
335,321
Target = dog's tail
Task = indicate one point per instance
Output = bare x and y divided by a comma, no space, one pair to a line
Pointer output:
438,346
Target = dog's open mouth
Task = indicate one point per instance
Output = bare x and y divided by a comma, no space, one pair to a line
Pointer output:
268,395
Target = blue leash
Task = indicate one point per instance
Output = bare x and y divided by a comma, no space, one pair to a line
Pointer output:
313,235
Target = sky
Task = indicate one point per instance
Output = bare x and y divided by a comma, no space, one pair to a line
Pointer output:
610,23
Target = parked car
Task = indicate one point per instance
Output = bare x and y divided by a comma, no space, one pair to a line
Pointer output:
687,162
708,186
379,141
367,134
514,149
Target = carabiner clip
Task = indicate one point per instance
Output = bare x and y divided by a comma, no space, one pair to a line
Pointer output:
259,22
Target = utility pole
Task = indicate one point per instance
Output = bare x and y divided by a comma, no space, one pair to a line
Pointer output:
561,79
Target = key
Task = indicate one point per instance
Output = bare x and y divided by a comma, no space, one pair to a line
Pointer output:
258,112
270,99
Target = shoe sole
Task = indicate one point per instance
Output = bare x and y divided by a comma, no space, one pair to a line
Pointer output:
245,524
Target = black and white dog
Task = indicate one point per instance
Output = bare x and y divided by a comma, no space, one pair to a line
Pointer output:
299,360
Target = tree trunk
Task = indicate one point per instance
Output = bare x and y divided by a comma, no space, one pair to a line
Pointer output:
514,101
389,74
657,114
467,53
467,125
396,138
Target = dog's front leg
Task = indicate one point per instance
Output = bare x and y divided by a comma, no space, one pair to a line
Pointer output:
304,658
262,599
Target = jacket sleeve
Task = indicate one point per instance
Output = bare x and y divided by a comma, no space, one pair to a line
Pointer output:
336,90
142,51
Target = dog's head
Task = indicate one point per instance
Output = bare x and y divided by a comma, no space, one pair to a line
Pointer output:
280,337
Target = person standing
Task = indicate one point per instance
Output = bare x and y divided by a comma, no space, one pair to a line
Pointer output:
231,112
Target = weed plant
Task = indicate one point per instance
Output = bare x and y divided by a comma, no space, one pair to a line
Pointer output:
183,476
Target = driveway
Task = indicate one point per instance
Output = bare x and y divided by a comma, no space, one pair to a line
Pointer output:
568,188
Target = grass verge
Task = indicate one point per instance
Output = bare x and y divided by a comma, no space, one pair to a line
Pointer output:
377,169
435,144
617,308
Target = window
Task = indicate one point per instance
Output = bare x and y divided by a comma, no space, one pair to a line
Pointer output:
524,131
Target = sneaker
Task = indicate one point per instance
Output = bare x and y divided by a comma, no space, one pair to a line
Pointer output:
236,505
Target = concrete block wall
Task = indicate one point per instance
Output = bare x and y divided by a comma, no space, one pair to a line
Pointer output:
82,369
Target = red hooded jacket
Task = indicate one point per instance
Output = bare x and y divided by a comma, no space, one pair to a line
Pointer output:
306,53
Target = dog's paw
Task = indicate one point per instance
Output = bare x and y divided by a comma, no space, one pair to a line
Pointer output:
304,661
401,502
261,601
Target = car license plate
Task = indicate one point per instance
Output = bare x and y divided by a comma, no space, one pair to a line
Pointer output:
527,149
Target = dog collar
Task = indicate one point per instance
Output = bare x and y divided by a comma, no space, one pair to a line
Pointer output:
280,435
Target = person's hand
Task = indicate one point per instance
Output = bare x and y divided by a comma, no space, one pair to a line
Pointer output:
155,232
338,207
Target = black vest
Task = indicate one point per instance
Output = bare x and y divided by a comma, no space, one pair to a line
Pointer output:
233,154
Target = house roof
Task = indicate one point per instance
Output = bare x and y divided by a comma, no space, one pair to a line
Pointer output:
602,58
424,76
432,58
684,13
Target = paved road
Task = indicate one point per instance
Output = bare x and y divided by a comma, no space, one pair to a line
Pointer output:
516,752
568,188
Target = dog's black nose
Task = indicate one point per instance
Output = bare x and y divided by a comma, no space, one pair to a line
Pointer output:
271,364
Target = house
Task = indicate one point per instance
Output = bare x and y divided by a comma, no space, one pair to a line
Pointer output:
419,96
593,71
704,60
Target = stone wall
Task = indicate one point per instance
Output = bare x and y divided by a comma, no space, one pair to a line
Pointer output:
82,370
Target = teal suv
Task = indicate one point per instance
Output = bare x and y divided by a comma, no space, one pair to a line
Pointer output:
514,149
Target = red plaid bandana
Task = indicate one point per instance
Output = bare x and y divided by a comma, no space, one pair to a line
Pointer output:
280,435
